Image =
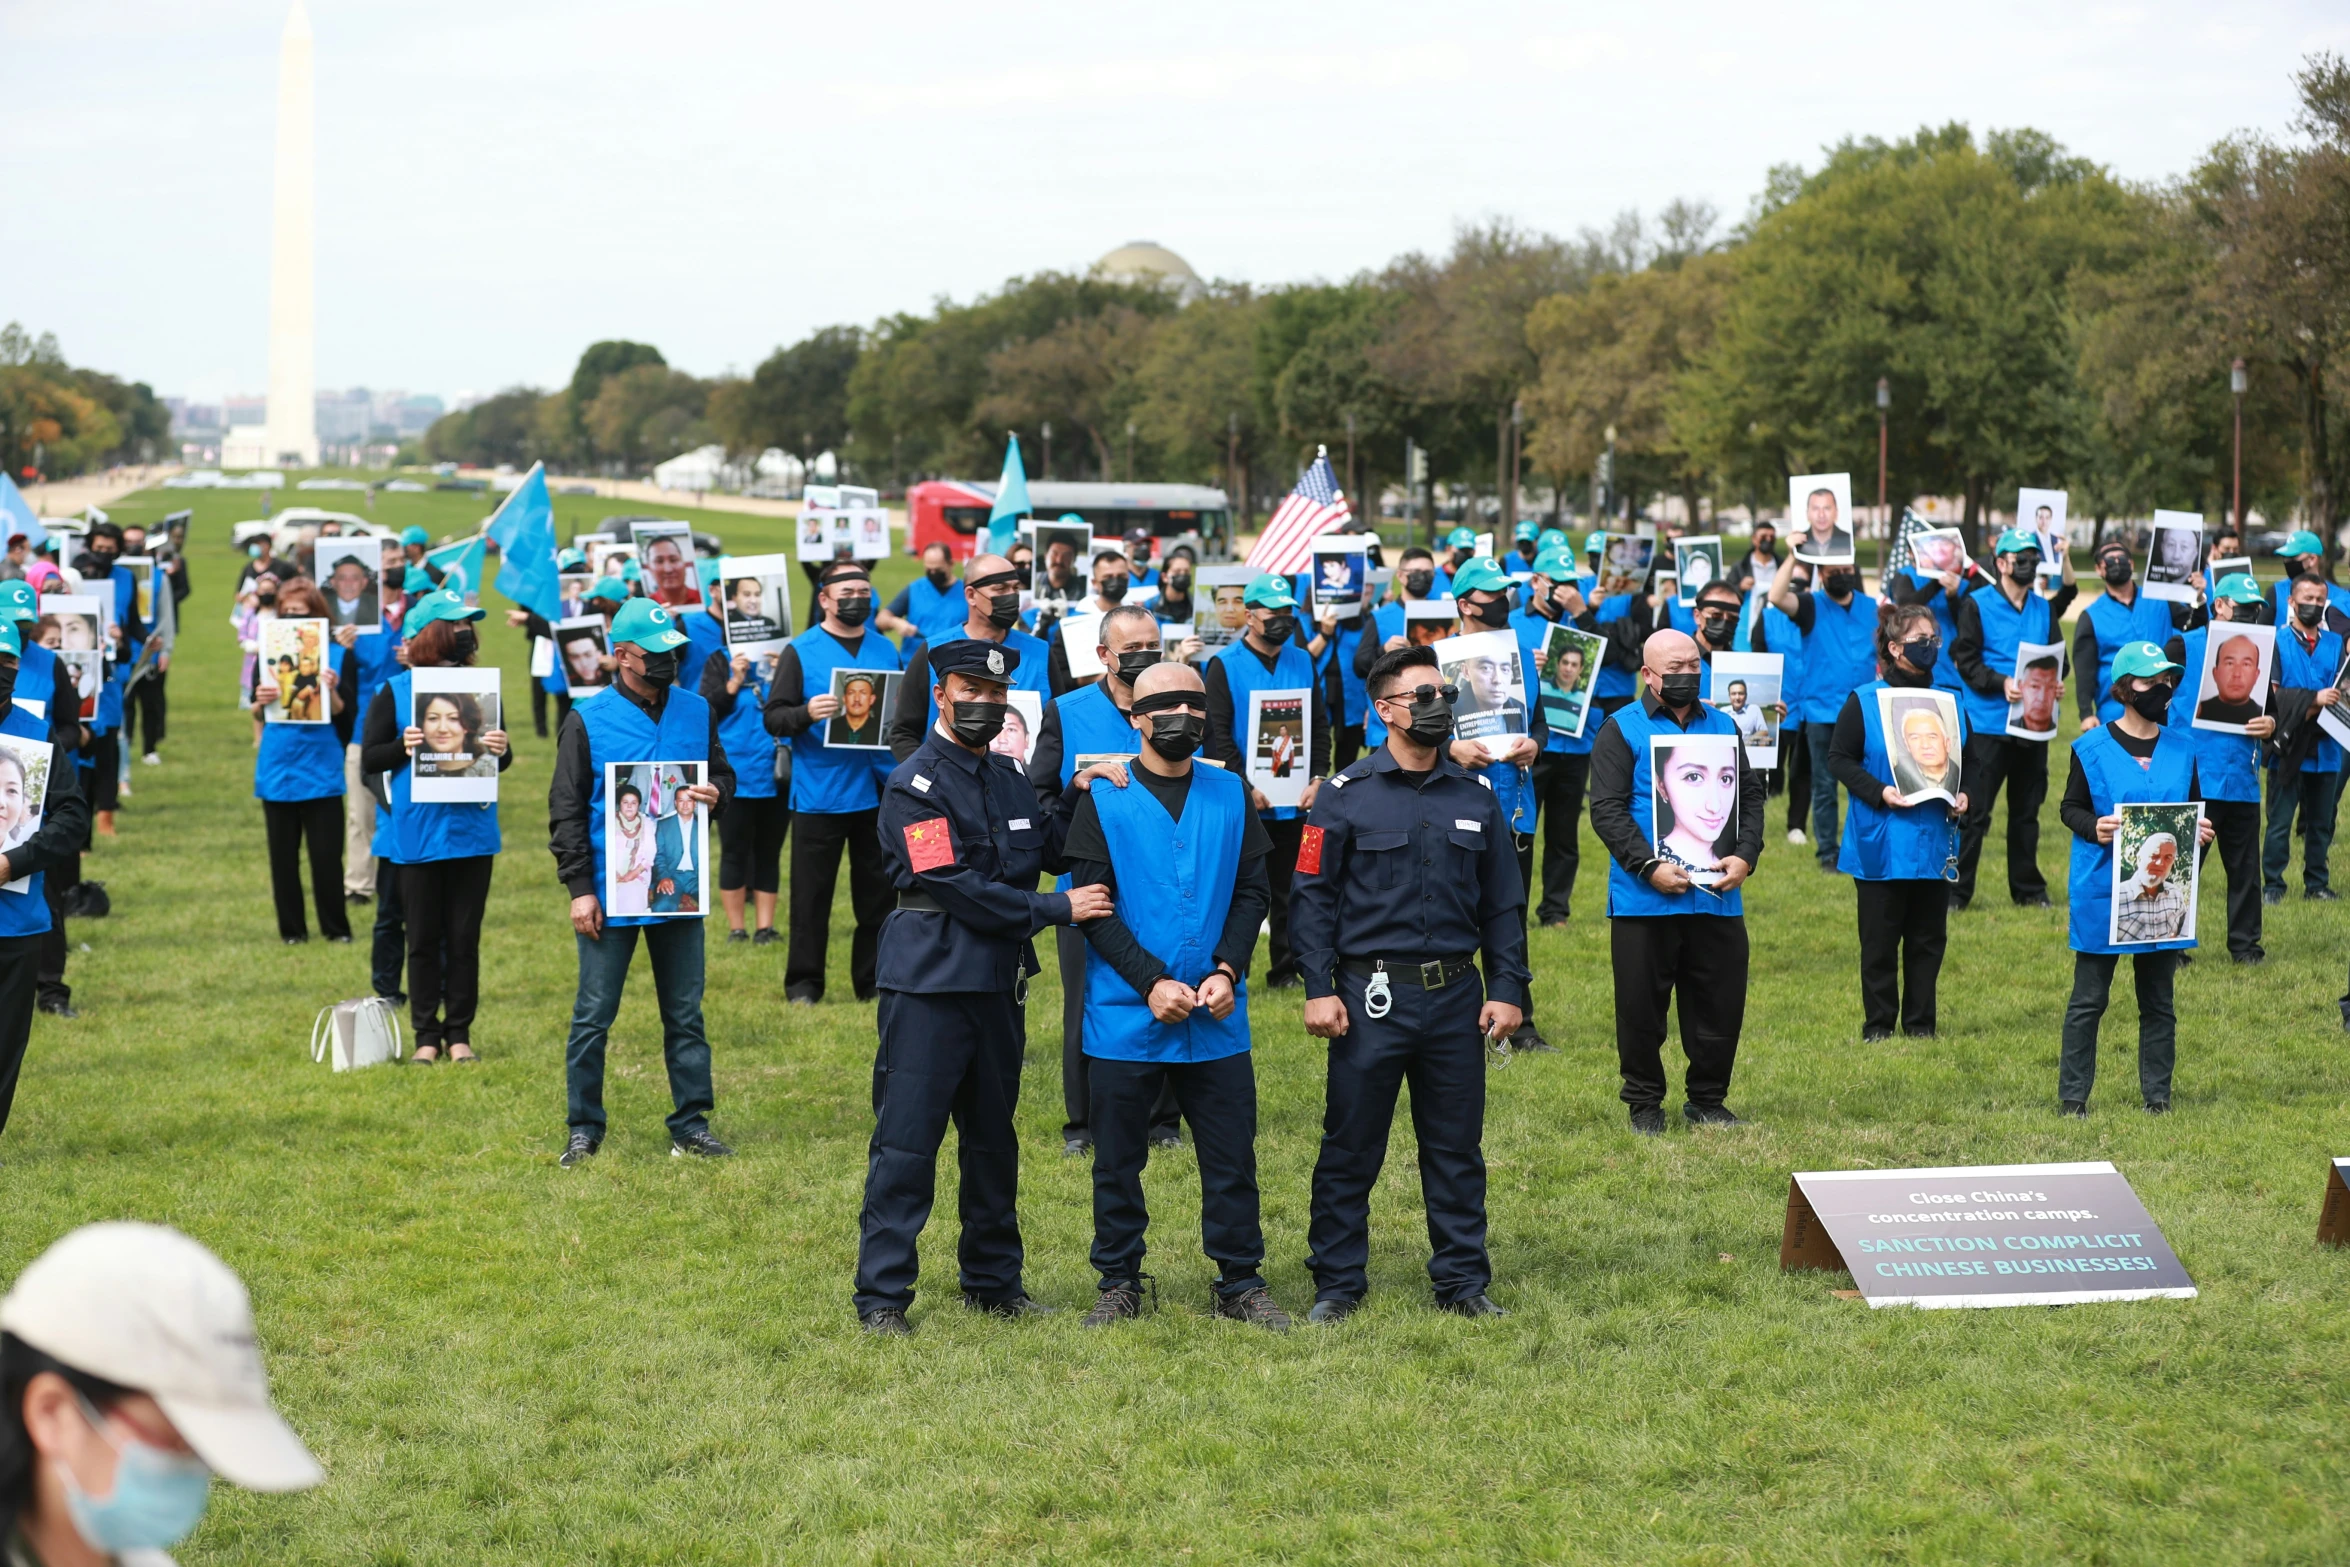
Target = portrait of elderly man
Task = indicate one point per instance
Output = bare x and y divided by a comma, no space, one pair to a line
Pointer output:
2234,682
2150,906
1925,757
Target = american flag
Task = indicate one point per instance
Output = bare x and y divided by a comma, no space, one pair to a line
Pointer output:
1314,508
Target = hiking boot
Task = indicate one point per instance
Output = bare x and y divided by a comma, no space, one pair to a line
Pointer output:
1119,1302
1255,1305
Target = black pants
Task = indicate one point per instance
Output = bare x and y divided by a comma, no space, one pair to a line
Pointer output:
1429,1040
54,944
1559,780
1076,1065
143,711
942,1057
750,844
1280,867
2235,828
1346,743
816,844
444,900
20,957
2158,1023
105,788
1795,764
1219,1098
1904,928
389,950
289,823
1697,961
538,708
2022,765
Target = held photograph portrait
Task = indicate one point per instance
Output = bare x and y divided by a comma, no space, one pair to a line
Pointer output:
1483,667
865,697
1063,551
582,644
1819,517
1567,673
1277,744
1218,616
2154,873
2231,689
2041,513
1921,741
2039,677
665,553
755,591
1624,563
293,654
1748,688
350,575
1023,721
1693,798
1340,567
24,786
455,710
1696,562
656,841
2174,556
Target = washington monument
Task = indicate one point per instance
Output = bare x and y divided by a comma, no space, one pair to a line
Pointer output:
292,429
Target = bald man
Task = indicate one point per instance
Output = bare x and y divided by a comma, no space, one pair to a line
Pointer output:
1670,937
991,613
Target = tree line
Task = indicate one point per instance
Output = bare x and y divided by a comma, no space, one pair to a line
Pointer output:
58,420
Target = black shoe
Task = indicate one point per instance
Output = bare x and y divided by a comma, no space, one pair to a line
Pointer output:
2037,901
2272,896
2073,1109
339,941
2254,956
765,938
700,1144
1327,1312
1526,1039
1958,903
1253,1306
1555,922
1284,981
297,941
2158,1107
1648,1120
1917,1033
1010,1310
738,935
1872,1036
2321,895
579,1150
2186,958
397,998
2345,1019
357,900
1120,1302
57,1008
1166,1142
1076,1147
1710,1115
1477,1305
800,999
888,1322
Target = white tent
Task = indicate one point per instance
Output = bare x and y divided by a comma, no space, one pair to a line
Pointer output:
704,468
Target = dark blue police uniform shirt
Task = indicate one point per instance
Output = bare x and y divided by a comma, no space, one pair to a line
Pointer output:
974,823
1397,869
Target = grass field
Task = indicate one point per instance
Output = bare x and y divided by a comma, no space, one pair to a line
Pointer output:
650,1360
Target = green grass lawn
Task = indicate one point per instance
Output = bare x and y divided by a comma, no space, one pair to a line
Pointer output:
650,1360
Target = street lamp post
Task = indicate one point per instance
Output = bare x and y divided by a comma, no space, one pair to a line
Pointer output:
1884,518
1350,460
2237,382
1129,451
1517,447
1048,449
1236,502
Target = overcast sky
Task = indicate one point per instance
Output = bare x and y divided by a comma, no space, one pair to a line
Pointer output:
501,182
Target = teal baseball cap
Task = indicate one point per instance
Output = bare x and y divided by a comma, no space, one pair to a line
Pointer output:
706,569
414,535
1553,539
1480,575
630,571
2140,660
2302,542
1270,591
1072,519
1555,563
610,588
19,601
439,604
1525,529
2015,541
11,639
648,625
1594,541
1460,539
2237,588
571,560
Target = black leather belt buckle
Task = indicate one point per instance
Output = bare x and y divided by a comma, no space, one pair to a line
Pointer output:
1432,975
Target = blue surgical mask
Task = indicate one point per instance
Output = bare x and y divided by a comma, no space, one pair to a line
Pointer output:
158,1497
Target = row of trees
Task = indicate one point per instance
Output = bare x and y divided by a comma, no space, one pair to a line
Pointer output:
57,420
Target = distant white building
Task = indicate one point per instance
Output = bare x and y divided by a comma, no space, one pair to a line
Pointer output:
707,468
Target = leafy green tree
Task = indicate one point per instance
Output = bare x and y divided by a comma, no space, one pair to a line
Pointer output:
599,363
47,413
500,429
1080,373
798,398
648,413
1196,383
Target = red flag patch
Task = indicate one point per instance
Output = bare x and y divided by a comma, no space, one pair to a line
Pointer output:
929,845
1309,852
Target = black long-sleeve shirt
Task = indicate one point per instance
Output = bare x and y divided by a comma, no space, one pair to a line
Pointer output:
65,814
2079,812
381,749
1849,745
1087,855
1044,763
786,713
1966,647
574,785
1225,728
2085,655
1611,797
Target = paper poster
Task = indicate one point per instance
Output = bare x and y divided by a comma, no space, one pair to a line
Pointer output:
2231,689
609,559
2335,720
1491,706
1693,800
1748,688
350,579
1023,721
293,655
1624,563
755,591
656,841
1064,552
865,697
1696,562
2154,866
1940,552
1340,574
1081,644
542,657
1218,616
1819,516
2041,513
146,577
24,787
665,554
2039,675
2222,567
1278,724
1921,741
582,643
866,531
1567,673
2174,557
454,708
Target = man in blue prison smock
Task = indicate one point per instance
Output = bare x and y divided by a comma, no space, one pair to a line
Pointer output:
1405,872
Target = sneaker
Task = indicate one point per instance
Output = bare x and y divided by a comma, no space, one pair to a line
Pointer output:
57,1008
738,935
888,1322
2036,901
1648,1120
579,1150
2073,1109
700,1144
2321,895
151,760
1120,1302
766,938
357,900
1010,1310
1796,837
1255,1306
2254,956
1556,922
1529,1039
1327,1312
2272,896
397,998
1918,1033
1710,1115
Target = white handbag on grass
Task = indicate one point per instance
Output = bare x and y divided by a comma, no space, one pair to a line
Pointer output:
361,1033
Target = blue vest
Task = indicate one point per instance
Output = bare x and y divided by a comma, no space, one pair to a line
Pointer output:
1035,660
1175,883
1354,697
743,736
1244,672
1613,681
1386,621
2281,601
2309,671
1090,725
824,781
302,761
1786,639
620,731
2005,629
1909,844
424,831
2147,620
935,613
1945,607
1839,654
374,660
26,913
705,634
2115,778
2227,766
36,677
1633,896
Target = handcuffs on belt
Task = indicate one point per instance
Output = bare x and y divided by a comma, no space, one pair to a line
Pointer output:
1378,995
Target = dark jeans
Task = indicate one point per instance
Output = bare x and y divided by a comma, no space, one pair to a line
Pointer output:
444,900
1559,780
1076,1065
1280,867
1988,762
2158,1025
143,711
1825,832
319,822
750,844
104,759
674,948
1702,959
389,943
949,1057
1219,1098
816,844
538,708
1904,927
2316,795
1429,1039
2235,827
1795,766
20,958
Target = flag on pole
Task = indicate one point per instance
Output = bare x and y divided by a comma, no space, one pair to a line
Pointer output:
1011,500
19,516
1317,506
524,528
459,565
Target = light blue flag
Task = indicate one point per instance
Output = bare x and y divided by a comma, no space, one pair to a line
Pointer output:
20,515
460,566
524,528
1011,501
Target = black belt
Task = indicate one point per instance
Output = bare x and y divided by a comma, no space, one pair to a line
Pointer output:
1433,975
921,901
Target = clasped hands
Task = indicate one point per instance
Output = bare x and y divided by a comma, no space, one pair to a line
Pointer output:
1172,1001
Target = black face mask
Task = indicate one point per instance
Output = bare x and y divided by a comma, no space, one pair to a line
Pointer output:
1431,723
1003,611
1419,583
1131,665
7,683
105,559
2309,614
395,577
660,669
977,723
1179,586
1177,735
467,643
1677,691
853,612
1840,583
2152,704
2023,568
1112,590
1278,629
1716,631
1921,656
1494,612
939,579
2114,569
268,599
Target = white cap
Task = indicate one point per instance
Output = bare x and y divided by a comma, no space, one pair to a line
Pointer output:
146,1308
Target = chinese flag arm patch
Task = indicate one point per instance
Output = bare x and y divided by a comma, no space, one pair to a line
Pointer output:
929,845
1309,852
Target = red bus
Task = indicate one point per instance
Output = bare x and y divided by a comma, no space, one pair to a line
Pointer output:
954,512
